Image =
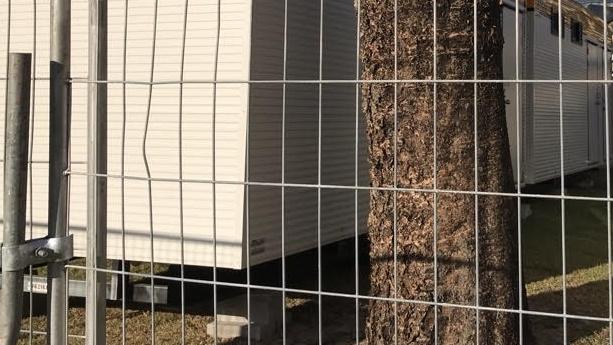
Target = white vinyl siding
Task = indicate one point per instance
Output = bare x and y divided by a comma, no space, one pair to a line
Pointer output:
162,144
247,51
302,111
543,149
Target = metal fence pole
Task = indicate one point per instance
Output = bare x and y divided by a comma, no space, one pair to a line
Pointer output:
96,166
15,190
59,135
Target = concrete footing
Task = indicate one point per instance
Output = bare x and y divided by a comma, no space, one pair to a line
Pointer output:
232,320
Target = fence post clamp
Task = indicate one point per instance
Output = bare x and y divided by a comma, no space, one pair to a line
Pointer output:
36,252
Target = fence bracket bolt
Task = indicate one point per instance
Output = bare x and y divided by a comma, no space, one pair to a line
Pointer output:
43,252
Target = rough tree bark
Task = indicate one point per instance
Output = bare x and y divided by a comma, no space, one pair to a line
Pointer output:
456,281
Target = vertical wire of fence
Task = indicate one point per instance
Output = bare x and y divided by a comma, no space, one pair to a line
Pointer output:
181,75
518,176
30,180
217,100
476,167
562,171
607,62
283,130
356,180
395,173
148,169
122,171
435,167
319,172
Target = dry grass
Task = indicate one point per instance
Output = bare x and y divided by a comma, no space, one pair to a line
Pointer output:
587,286
338,326
587,268
587,291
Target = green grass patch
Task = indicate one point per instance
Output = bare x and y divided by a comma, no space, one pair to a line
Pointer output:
586,264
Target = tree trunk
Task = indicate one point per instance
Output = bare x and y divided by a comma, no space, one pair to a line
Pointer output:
455,170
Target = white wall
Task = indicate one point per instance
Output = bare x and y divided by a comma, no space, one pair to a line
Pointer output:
302,111
543,151
162,141
240,58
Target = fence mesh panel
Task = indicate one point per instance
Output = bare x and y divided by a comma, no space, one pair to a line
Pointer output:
238,157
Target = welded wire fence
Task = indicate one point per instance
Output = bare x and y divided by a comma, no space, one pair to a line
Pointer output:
238,141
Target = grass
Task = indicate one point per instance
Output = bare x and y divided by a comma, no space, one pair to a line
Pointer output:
587,286
338,325
587,268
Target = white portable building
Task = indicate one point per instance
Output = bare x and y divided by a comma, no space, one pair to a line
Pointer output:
248,120
248,126
583,106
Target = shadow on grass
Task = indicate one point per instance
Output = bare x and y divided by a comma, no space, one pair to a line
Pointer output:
587,294
589,300
585,234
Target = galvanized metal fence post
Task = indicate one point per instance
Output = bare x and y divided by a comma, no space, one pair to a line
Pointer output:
59,136
16,135
96,168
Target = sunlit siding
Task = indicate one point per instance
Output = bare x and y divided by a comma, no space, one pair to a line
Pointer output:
250,48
